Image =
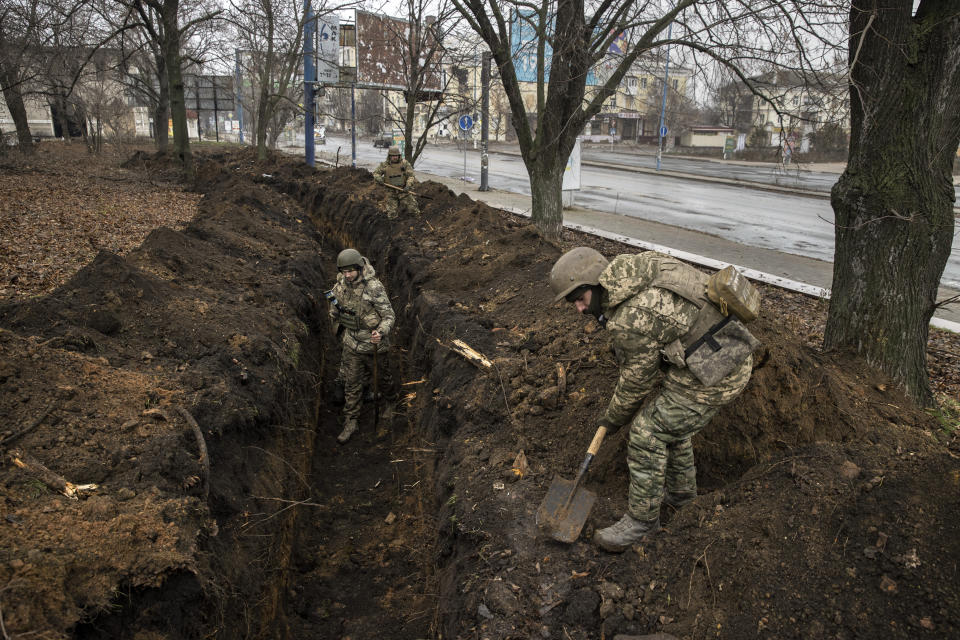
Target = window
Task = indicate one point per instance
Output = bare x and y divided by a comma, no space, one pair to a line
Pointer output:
676,84
796,100
643,83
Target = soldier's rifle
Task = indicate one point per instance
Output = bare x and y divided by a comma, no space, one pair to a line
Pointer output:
419,195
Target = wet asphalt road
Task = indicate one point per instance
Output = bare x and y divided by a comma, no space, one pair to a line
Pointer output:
793,223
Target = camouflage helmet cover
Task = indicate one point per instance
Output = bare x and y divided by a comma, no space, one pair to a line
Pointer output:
393,151
576,268
349,258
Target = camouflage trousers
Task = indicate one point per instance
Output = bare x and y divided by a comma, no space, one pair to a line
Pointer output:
659,451
402,201
355,368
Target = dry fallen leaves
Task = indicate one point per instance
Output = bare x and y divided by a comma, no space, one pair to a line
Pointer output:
59,208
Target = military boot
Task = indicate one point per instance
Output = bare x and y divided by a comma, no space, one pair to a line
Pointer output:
678,500
625,532
349,428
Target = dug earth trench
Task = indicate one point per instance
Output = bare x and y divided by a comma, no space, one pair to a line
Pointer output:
190,380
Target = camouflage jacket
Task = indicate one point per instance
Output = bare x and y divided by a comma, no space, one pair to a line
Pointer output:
364,306
642,320
399,174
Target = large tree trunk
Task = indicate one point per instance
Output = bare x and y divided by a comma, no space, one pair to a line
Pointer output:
894,202
263,106
178,107
546,190
161,111
63,117
18,111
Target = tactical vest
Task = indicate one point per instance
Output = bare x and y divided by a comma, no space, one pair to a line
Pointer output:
393,174
349,320
354,308
715,344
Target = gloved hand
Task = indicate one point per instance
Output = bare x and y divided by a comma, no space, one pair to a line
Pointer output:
611,428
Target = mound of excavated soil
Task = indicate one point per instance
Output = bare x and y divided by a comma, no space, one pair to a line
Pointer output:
189,378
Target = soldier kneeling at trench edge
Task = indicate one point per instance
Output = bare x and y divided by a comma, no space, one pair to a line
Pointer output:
362,318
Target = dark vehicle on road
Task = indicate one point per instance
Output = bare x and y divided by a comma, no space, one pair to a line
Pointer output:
383,139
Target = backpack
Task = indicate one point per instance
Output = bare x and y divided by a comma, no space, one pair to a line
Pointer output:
730,291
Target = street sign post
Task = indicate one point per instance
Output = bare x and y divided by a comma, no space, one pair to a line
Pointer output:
663,131
466,123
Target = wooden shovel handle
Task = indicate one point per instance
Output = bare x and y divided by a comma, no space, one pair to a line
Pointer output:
597,441
592,451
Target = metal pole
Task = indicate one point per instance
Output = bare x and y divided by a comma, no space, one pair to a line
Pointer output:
484,124
196,87
216,111
239,89
309,76
353,125
663,102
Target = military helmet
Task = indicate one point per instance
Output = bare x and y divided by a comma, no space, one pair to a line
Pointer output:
393,151
576,268
349,258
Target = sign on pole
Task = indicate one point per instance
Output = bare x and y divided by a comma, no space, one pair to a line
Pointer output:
466,122
663,131
328,49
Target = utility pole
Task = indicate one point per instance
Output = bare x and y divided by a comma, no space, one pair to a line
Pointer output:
485,120
663,103
239,88
309,77
216,111
353,125
196,87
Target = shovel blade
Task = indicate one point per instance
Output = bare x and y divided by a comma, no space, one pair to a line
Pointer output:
561,517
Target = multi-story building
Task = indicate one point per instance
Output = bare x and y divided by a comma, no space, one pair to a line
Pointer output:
793,106
633,112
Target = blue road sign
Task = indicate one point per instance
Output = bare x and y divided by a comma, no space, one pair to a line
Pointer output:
663,131
466,122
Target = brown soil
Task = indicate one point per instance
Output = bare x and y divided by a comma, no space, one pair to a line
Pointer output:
828,506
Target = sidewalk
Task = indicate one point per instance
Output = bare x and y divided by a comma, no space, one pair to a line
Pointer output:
796,273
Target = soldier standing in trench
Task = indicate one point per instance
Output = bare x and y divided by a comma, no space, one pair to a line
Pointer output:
397,172
362,317
651,304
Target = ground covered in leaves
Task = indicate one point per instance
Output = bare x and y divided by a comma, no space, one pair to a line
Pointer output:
185,370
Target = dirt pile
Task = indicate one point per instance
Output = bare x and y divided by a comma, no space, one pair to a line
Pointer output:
828,506
107,375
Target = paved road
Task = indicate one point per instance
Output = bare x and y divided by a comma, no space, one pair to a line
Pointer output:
792,176
777,232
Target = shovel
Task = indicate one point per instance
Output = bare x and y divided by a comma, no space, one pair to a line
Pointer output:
567,505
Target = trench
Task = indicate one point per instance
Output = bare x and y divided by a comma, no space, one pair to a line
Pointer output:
317,539
380,566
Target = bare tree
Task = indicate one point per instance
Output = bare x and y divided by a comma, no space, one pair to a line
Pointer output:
270,33
144,73
894,203
167,24
568,38
731,100
412,49
19,27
